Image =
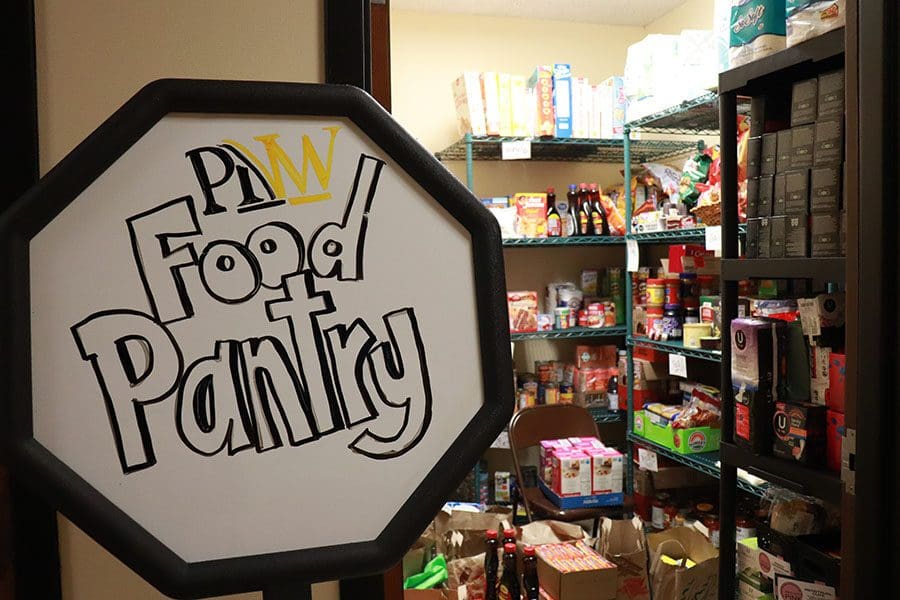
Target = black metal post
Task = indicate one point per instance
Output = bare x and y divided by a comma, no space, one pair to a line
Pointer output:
348,54
288,591
728,473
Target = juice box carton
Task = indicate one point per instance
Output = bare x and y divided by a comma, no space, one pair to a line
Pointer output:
546,456
606,470
490,93
469,103
531,215
562,99
571,473
541,82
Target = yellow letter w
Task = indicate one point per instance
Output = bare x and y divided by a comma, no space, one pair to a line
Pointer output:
278,159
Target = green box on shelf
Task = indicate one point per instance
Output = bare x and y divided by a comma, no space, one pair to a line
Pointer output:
682,441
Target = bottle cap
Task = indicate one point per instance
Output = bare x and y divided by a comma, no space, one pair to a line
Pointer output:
582,185
573,187
550,190
594,186
529,550
491,534
509,548
509,533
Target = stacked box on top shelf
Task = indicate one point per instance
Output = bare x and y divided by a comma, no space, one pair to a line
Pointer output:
795,175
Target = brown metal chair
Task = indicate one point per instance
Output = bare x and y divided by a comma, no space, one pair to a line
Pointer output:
528,428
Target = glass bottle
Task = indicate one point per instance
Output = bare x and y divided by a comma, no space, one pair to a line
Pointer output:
572,221
509,581
531,586
585,225
554,221
598,215
491,564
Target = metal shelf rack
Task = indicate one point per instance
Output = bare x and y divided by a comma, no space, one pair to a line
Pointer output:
606,240
675,347
571,332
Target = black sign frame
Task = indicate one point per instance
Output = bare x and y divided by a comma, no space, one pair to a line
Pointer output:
98,516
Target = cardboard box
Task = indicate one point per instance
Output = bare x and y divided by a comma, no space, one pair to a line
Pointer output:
766,195
831,94
678,253
502,487
779,195
571,475
755,367
803,141
825,189
785,151
649,354
787,588
837,381
606,471
800,433
834,439
612,108
490,93
682,441
769,154
595,357
755,560
765,237
645,370
804,101
776,245
541,81
523,311
561,583
588,501
825,234
518,98
531,215
469,104
752,197
796,187
562,99
829,145
796,236
754,157
752,249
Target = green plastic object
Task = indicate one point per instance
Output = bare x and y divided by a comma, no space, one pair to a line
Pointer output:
435,574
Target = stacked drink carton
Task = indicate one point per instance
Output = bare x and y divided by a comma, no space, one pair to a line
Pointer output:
581,469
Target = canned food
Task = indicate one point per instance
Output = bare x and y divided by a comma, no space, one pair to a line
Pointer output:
609,314
673,290
562,317
583,318
551,393
566,394
656,292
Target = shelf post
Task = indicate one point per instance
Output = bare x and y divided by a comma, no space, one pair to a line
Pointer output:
629,383
470,169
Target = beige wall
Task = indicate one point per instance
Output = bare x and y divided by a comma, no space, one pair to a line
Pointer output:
693,14
92,55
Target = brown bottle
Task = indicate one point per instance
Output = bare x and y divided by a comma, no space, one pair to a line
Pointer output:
554,219
585,224
598,215
509,582
491,566
530,585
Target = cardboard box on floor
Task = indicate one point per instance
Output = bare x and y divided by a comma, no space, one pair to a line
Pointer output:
598,584
430,595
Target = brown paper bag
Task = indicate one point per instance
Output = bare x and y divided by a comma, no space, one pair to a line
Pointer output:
537,533
460,534
622,542
668,582
462,571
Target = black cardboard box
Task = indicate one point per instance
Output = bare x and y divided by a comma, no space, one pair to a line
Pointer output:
754,152
804,101
765,237
779,195
776,242
800,432
752,197
825,189
766,192
831,94
796,236
752,249
803,141
829,145
796,184
769,154
824,233
784,152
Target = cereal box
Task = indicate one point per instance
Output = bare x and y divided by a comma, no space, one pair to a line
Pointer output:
541,82
606,471
469,103
490,92
531,215
571,473
523,311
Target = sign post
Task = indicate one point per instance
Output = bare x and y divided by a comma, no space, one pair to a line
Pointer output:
254,334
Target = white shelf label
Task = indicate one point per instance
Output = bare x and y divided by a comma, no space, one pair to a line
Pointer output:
634,255
714,239
518,150
677,365
647,460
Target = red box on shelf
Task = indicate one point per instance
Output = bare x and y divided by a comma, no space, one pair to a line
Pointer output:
837,375
641,352
696,252
834,432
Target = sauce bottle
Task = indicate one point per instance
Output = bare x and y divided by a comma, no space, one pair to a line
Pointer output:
509,536
531,586
598,215
585,225
491,564
572,221
509,582
554,221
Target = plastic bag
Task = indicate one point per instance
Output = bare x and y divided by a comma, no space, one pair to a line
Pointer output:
696,170
794,514
807,19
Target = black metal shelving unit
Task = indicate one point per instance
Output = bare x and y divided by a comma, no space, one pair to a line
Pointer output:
767,81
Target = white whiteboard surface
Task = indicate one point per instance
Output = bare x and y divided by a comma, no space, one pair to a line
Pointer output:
288,497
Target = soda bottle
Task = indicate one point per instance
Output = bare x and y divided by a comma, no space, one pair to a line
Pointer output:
509,536
554,222
491,564
509,582
585,225
531,586
598,215
572,197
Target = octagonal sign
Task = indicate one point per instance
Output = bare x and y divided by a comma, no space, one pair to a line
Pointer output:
256,334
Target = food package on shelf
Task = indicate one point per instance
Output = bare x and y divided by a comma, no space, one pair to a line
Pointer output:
531,215
698,60
807,19
757,30
649,65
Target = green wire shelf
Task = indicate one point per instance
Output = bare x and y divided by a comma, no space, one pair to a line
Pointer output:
571,149
705,462
676,348
698,116
571,332
607,240
672,236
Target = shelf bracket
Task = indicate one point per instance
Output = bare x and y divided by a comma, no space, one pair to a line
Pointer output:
848,461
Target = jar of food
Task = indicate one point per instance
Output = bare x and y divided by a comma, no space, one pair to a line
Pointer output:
692,315
573,317
566,394
703,509
562,317
551,393
709,285
671,322
744,528
531,389
656,292
670,513
690,302
609,314
689,286
658,511
654,319
712,524
673,290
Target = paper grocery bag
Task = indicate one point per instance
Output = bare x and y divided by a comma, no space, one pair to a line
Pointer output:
622,542
538,533
670,582
460,534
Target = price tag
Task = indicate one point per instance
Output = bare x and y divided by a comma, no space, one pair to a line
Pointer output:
677,365
518,150
714,239
809,316
633,261
647,460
